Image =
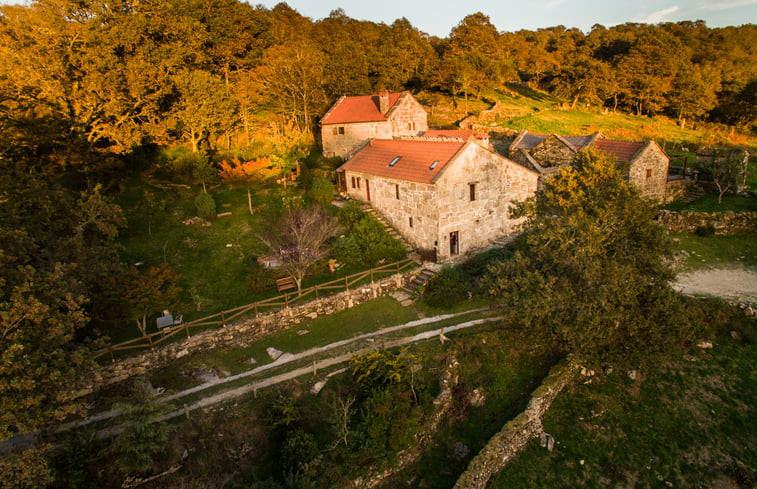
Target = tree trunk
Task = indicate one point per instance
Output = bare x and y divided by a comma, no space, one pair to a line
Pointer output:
142,325
575,101
249,200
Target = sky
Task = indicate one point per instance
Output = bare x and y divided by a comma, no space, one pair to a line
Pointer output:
438,17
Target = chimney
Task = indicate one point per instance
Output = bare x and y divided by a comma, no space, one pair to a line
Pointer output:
383,102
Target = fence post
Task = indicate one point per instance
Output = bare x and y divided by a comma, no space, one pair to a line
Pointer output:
112,358
149,339
286,299
346,283
316,291
223,318
371,276
186,328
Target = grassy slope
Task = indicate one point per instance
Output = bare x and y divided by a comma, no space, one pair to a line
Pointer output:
717,251
690,424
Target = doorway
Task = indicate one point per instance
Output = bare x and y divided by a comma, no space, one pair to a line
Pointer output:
454,243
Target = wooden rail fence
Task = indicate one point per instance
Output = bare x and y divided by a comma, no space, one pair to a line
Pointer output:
267,305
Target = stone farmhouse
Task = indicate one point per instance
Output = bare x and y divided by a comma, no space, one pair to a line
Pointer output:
446,195
646,164
352,121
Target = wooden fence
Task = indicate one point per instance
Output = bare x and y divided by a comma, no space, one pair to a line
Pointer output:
267,305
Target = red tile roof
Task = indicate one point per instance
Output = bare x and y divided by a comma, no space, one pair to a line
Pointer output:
416,158
357,109
622,150
448,133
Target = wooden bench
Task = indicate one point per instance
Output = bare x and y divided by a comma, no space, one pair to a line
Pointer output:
286,283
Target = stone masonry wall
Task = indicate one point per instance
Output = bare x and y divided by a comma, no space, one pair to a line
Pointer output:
724,223
552,152
499,182
654,160
354,135
416,200
408,111
506,444
243,332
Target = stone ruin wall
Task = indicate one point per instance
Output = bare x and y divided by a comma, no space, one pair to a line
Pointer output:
724,223
241,333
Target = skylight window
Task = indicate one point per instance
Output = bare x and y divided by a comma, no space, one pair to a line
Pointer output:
433,165
394,161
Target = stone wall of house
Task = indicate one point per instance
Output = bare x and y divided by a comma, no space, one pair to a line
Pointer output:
552,152
676,189
723,223
243,332
654,160
408,118
416,201
355,134
498,183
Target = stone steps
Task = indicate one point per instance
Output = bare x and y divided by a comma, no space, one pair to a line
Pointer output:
693,192
421,279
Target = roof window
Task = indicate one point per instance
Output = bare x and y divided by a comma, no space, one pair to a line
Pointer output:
394,161
433,165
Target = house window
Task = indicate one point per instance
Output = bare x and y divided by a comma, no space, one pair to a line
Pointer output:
358,182
397,191
411,222
353,183
649,173
472,187
394,161
339,130
433,165
411,126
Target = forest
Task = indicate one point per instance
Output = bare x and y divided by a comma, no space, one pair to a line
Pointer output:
92,90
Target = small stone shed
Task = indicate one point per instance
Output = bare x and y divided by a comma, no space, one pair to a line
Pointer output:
444,195
646,164
352,121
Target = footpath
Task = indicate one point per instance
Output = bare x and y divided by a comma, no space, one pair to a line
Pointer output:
285,368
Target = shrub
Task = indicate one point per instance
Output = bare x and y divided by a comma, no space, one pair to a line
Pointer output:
261,278
368,242
206,206
350,214
184,164
321,190
389,423
447,288
299,449
347,250
705,230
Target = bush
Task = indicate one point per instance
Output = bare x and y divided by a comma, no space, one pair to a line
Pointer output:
206,206
389,423
368,241
321,190
261,278
299,449
705,230
447,288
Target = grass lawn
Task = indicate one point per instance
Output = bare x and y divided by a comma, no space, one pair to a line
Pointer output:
716,251
687,424
370,316
709,203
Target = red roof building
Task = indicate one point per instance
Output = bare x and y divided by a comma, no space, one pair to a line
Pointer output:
352,121
446,196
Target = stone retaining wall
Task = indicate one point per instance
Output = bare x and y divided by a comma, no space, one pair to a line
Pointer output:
725,223
506,444
243,332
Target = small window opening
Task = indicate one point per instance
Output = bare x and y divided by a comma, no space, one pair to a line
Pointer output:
433,165
394,161
339,130
353,183
411,222
397,191
472,187
649,173
411,126
358,182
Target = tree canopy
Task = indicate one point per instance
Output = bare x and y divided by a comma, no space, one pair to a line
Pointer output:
594,280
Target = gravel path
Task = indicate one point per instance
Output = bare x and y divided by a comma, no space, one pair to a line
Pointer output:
737,284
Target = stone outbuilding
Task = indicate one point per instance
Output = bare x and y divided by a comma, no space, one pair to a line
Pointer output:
646,164
352,121
445,195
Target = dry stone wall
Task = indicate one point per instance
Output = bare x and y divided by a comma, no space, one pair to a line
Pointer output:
243,332
723,223
506,444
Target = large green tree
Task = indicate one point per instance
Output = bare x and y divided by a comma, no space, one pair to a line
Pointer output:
594,280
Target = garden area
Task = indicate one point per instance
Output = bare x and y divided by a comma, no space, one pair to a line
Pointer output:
197,224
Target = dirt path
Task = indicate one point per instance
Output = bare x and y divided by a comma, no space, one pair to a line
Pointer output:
736,284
